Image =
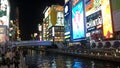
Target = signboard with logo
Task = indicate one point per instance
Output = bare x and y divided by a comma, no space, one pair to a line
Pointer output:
67,19
4,12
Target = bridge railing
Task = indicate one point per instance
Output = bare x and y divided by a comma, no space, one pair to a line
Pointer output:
32,43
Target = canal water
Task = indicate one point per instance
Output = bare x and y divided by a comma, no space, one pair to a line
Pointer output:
52,60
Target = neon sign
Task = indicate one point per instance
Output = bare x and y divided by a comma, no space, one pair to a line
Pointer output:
107,19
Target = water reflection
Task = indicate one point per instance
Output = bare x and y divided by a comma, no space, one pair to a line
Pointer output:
77,64
47,60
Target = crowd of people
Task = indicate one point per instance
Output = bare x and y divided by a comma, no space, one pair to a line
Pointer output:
10,57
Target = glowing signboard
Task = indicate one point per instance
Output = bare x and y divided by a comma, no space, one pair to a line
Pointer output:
92,6
107,19
67,19
94,21
78,26
60,19
4,12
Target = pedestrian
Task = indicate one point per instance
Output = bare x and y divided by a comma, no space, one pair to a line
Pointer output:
16,59
3,59
8,57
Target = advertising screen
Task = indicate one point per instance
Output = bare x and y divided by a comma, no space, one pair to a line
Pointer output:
67,20
78,26
107,19
60,19
94,21
4,12
92,6
66,1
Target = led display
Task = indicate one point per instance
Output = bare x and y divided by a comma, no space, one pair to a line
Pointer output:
60,19
107,19
67,20
94,21
92,6
4,12
66,1
78,26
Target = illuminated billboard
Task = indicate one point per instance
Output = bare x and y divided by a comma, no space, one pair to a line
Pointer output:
67,20
4,12
101,7
60,19
78,21
94,21
107,19
53,15
66,1
92,6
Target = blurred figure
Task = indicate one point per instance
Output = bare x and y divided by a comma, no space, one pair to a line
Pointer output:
16,59
8,57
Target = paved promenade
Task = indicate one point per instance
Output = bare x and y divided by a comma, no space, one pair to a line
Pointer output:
21,65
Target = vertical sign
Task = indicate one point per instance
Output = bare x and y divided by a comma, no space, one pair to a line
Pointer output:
78,20
107,19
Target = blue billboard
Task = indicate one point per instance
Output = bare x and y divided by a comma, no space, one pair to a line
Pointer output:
78,31
67,19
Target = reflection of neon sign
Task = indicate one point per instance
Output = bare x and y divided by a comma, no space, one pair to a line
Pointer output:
107,20
77,64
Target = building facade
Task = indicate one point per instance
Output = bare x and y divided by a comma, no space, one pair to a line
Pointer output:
54,23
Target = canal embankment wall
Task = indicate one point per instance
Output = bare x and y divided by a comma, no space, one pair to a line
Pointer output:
101,54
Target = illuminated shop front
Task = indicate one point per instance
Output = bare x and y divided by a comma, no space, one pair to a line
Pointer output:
56,33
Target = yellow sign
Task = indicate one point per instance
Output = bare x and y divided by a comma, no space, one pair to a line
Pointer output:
107,19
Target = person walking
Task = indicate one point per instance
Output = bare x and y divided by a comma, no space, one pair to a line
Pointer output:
8,57
16,59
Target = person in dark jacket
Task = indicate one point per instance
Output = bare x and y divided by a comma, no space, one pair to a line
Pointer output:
16,59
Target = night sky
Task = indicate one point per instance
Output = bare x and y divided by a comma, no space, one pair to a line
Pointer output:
31,13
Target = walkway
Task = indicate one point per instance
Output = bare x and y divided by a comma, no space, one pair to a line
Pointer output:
21,65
